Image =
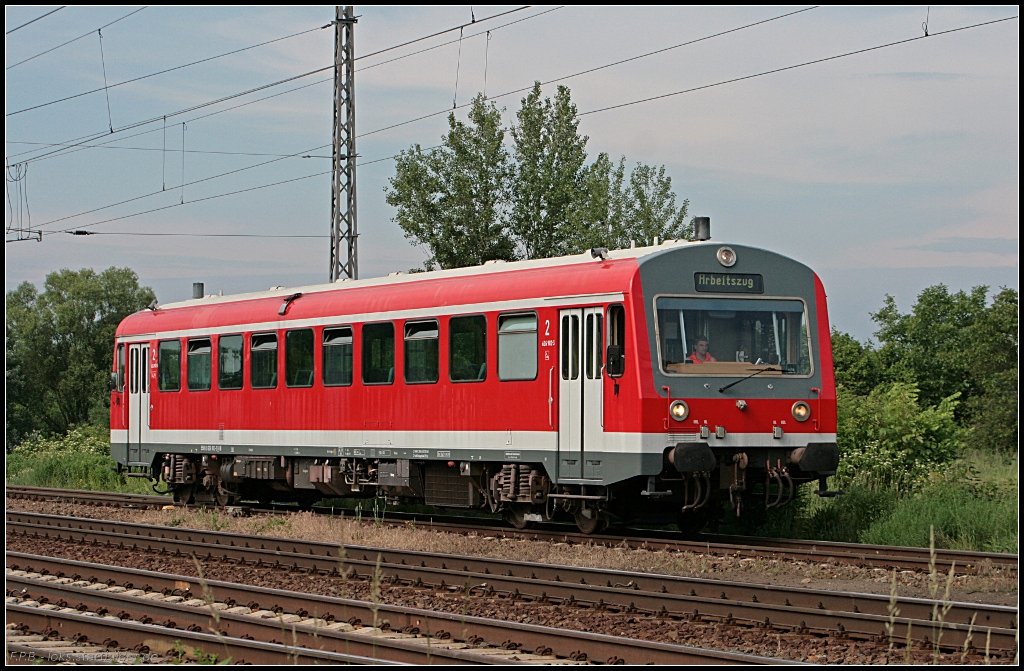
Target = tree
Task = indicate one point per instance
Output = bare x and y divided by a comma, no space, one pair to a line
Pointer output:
650,209
992,413
955,344
549,170
857,366
452,199
601,215
470,201
60,345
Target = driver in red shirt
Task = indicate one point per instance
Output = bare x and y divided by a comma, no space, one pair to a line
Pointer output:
700,352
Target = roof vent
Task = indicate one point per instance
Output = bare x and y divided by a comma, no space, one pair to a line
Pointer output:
198,290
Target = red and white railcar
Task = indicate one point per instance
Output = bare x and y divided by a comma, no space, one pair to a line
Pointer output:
536,388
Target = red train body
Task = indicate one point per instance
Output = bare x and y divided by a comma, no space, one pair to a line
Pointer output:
537,389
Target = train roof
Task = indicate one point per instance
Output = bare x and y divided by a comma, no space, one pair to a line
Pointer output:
487,268
495,284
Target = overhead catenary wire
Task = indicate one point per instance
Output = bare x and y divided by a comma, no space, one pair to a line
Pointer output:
228,53
166,70
691,90
786,68
35,19
94,136
77,144
64,44
505,94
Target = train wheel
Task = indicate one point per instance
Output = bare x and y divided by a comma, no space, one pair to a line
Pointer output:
184,494
591,521
223,497
516,515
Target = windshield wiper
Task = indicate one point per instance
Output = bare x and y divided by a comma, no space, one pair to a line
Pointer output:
721,390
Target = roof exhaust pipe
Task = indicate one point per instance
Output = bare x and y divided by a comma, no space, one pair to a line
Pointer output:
701,228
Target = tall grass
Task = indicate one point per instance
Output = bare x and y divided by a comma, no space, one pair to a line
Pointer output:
972,504
78,460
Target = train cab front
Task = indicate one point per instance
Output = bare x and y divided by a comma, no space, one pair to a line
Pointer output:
742,373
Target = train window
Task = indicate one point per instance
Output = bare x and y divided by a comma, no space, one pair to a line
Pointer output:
133,371
169,365
517,347
421,351
229,362
467,349
592,347
378,353
570,347
770,335
616,341
298,358
337,351
263,360
199,364
144,372
120,367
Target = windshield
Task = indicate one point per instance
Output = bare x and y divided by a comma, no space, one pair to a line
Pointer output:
724,336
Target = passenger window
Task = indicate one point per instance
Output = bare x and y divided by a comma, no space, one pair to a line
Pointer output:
337,356
517,347
378,353
421,351
199,364
467,349
229,362
263,360
169,366
298,358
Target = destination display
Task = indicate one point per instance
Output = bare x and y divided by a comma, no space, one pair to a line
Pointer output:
729,283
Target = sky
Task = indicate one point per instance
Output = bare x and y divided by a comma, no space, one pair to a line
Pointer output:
878,145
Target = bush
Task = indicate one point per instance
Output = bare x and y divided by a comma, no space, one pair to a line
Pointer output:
78,460
886,441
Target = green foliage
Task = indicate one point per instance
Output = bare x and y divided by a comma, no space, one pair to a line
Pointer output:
971,503
549,171
470,201
992,412
78,460
452,199
966,513
844,518
887,440
956,344
60,347
650,209
857,366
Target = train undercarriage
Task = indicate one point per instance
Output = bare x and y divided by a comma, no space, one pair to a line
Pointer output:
695,485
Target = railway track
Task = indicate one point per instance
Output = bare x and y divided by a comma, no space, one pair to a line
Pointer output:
949,625
899,558
322,623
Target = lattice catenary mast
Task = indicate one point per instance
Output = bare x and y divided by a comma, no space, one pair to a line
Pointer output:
344,261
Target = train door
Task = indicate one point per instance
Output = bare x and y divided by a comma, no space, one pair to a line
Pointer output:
138,400
580,393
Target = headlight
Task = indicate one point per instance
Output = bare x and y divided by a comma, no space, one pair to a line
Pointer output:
801,411
678,410
726,256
